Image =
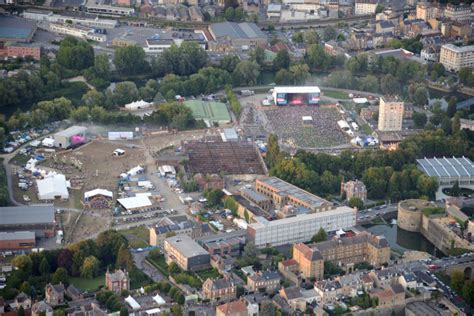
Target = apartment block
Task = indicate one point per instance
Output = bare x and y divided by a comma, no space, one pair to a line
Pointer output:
365,7
460,12
454,58
310,261
426,12
391,111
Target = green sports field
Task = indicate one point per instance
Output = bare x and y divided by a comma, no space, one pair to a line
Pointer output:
209,111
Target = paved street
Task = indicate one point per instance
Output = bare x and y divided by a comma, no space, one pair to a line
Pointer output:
152,272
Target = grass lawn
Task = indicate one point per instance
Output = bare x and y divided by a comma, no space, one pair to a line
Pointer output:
211,273
377,221
137,236
335,94
366,129
158,262
88,284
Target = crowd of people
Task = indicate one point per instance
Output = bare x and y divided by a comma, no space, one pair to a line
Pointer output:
287,123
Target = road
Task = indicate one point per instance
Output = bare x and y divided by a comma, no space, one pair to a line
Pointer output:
365,216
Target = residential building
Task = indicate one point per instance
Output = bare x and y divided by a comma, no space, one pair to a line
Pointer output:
294,298
390,296
75,293
460,30
219,289
310,261
186,253
289,270
408,280
267,280
426,11
117,281
54,294
274,11
365,7
299,228
384,278
235,308
454,58
390,114
354,189
41,308
459,12
21,300
164,39
350,284
328,290
283,193
430,53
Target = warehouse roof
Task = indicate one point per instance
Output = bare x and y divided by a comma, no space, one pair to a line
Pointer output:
186,246
27,215
236,30
135,202
17,235
16,29
71,131
285,188
447,167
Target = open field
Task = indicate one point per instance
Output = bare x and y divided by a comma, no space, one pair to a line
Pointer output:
88,284
335,94
137,237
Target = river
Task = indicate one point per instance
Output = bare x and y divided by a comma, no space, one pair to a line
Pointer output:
401,240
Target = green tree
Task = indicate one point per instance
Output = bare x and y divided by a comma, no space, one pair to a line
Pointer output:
356,202
298,37
124,259
299,72
257,55
456,124
176,310
455,190
379,8
130,60
75,54
311,37
247,216
457,281
44,268
246,73
273,151
229,62
468,292
229,14
90,267
214,197
420,97
267,308
451,110
437,70
123,311
23,263
81,114
284,77
60,275
390,85
93,97
329,33
321,235
21,311
239,14
316,57
282,60
231,204
101,66
419,119
108,246
125,92
466,76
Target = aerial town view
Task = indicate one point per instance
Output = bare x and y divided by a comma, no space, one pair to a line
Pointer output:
236,157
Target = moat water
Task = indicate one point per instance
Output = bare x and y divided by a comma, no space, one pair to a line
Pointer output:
401,240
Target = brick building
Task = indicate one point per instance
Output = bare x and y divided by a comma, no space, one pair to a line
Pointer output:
117,281
219,289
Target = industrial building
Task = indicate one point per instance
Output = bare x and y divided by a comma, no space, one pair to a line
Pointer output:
299,228
13,29
229,36
73,17
33,218
186,253
17,240
283,193
448,170
74,135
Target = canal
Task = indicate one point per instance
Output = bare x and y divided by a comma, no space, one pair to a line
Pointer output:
401,240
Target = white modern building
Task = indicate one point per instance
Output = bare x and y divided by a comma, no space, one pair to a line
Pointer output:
108,10
365,7
447,171
300,228
454,58
77,31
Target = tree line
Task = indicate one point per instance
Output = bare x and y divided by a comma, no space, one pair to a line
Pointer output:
387,174
86,259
